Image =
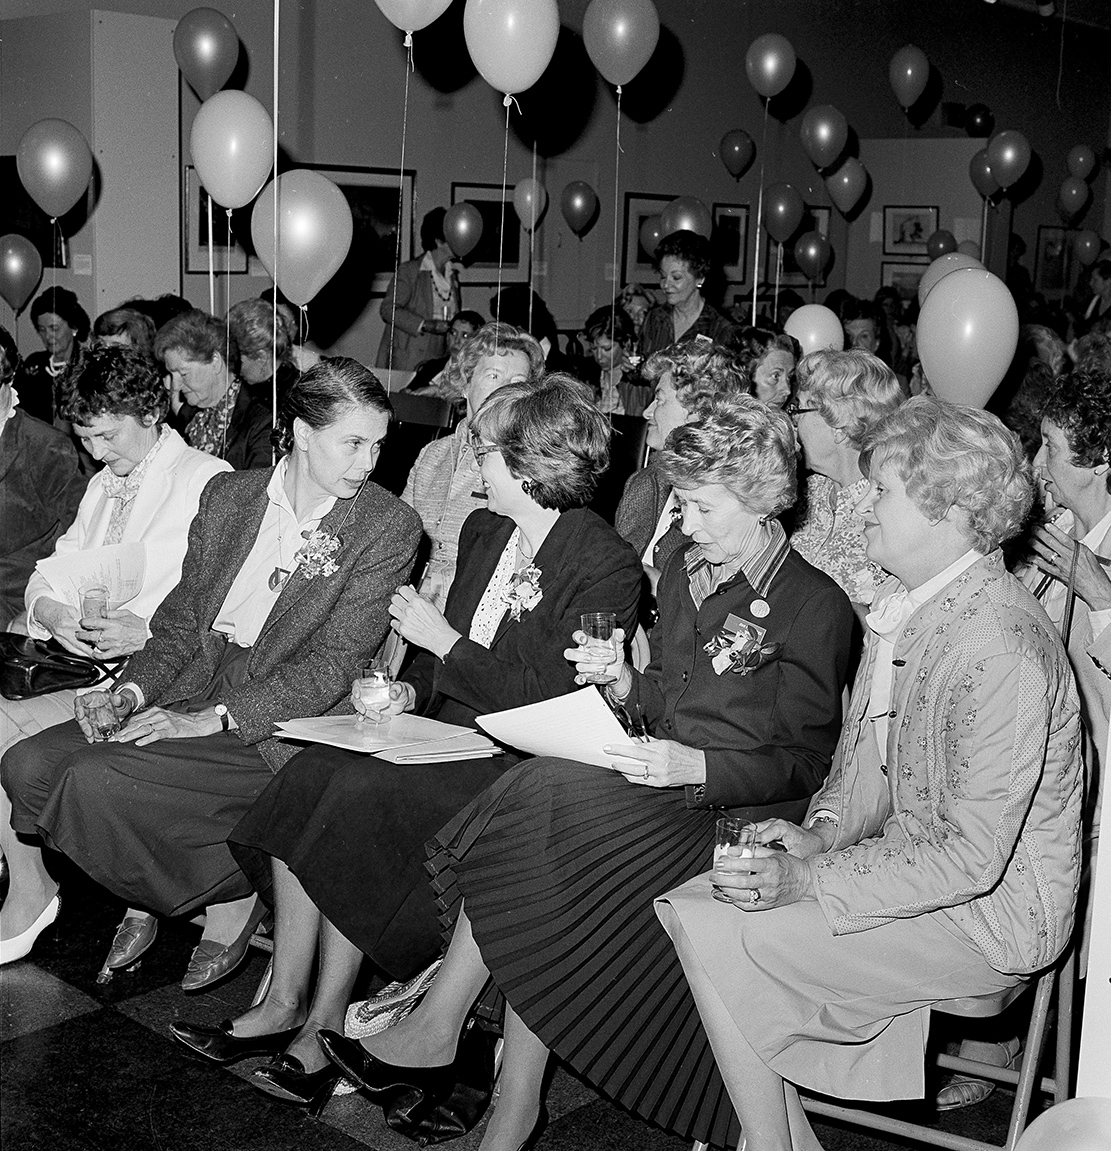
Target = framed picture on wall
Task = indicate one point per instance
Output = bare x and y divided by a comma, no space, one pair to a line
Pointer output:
503,240
20,214
1054,271
903,278
814,219
729,241
195,239
906,230
637,264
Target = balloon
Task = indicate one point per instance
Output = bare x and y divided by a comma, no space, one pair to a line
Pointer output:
824,132
969,248
1073,195
816,328
412,15
20,269
54,165
314,232
783,208
908,72
651,233
737,151
231,144
206,45
1008,156
847,185
942,266
620,36
979,172
1082,161
1086,244
530,202
770,63
1076,1125
812,254
578,203
940,242
511,42
686,214
967,335
979,120
462,228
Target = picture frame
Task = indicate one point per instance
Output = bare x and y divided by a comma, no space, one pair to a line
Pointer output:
1054,272
906,228
20,214
903,277
815,218
637,265
501,234
729,241
194,217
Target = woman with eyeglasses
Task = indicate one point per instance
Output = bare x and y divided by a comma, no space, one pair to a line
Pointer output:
337,841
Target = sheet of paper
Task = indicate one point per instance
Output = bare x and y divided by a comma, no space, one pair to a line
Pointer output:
575,726
118,567
347,732
474,745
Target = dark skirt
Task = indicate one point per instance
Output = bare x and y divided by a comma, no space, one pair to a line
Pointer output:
559,864
352,828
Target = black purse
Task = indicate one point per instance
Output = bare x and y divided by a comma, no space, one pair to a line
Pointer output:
30,667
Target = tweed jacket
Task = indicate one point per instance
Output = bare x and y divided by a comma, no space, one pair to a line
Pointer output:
411,347
642,504
318,630
975,810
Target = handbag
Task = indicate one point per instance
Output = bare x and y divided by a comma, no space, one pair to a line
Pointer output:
30,667
426,1119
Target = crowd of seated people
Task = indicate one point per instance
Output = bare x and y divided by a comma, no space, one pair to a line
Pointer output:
807,574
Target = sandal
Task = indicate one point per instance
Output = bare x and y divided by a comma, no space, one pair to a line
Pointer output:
966,1091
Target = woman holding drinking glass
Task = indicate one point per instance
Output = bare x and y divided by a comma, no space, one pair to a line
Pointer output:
337,841
558,862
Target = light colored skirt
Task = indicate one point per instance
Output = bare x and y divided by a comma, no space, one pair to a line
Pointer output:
24,717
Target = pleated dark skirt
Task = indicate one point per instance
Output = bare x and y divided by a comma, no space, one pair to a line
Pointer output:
559,864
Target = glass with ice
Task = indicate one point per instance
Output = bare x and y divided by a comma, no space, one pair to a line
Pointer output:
598,627
373,690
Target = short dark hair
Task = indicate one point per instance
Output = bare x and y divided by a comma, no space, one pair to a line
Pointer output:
1079,403
468,317
432,229
549,433
64,303
9,354
252,327
197,336
114,380
160,310
136,326
753,344
613,322
322,394
690,247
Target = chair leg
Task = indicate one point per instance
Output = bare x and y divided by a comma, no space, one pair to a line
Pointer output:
1066,988
264,983
1032,1057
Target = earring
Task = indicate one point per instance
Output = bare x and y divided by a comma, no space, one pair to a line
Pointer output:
526,487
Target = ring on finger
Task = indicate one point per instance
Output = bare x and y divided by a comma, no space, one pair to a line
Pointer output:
754,898
645,776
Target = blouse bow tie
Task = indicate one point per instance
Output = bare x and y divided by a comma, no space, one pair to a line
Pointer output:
891,616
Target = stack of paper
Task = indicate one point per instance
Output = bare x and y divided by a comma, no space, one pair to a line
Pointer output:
405,739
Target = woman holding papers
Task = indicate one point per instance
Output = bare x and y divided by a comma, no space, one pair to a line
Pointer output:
337,841
284,592
558,862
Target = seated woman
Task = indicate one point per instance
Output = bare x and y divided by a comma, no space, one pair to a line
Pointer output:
261,343
63,327
941,858
770,359
841,397
128,327
283,592
343,836
216,413
445,484
612,340
558,862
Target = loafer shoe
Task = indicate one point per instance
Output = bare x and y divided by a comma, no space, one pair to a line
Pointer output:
134,937
219,1045
211,962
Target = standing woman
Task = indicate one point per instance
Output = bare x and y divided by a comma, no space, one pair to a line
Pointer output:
63,326
284,591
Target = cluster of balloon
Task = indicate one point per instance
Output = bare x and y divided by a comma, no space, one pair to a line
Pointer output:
979,172
737,152
412,15
54,165
651,233
909,72
824,133
686,214
1008,155
967,334
783,209
979,120
579,205
1087,245
940,242
462,228
20,270
231,145
847,184
511,42
530,202
1074,192
314,232
770,64
812,254
940,267
620,37
1076,1125
816,328
206,46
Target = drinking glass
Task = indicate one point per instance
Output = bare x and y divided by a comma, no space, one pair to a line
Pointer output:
373,689
104,718
599,627
94,602
735,837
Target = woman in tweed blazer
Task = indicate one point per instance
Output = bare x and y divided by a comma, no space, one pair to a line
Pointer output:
942,857
284,591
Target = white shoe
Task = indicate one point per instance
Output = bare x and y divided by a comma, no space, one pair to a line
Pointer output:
19,945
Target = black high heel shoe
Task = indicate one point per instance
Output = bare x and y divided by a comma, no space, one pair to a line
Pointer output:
219,1045
286,1078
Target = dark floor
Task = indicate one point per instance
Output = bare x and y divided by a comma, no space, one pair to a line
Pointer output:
91,1068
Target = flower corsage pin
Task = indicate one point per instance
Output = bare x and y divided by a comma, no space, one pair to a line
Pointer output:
523,593
740,648
314,558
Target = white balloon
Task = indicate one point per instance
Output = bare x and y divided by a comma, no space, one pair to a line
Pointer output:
816,328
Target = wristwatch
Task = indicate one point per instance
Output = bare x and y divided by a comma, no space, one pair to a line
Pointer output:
221,710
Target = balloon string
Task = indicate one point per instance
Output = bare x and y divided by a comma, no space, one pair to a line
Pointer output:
778,271
532,238
274,316
400,212
1061,52
225,401
211,261
53,255
759,214
501,225
616,194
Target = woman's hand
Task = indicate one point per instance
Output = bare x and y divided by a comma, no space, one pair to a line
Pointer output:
99,712
403,697
592,669
118,633
800,842
157,723
420,622
767,879
1053,555
660,763
63,623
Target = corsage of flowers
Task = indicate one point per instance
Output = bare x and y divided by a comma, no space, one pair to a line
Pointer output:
315,555
740,648
523,593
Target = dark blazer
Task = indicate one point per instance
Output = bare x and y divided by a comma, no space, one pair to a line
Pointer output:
639,511
659,330
584,567
249,432
316,634
414,292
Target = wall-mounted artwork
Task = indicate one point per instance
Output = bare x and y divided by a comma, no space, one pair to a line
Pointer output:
906,230
503,240
637,263
729,241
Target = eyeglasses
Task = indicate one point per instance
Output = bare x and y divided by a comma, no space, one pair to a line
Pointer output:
481,450
794,411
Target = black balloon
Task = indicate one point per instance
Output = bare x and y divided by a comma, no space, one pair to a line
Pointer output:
979,120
